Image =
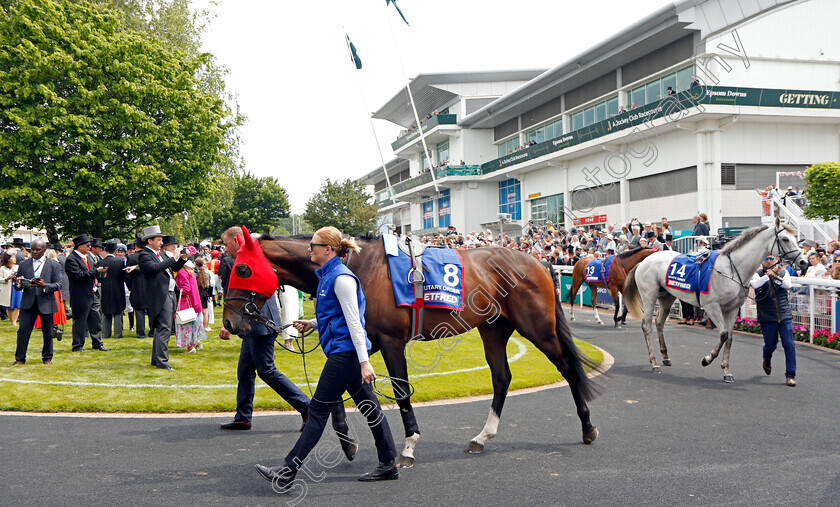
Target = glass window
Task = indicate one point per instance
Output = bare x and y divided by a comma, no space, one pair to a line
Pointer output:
507,146
558,128
684,78
612,107
577,120
637,98
428,212
588,116
601,112
653,92
669,80
549,132
443,152
510,198
444,209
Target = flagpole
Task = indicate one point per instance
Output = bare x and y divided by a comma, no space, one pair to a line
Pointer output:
370,119
413,107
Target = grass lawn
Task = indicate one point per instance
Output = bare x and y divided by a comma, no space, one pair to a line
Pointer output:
122,380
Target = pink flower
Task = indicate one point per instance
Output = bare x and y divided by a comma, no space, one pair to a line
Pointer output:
830,339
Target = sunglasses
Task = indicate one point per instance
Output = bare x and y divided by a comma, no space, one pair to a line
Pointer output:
769,258
313,245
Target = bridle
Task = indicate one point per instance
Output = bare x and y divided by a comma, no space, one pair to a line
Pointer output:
783,254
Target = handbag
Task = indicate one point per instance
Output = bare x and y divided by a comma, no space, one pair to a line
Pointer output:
185,316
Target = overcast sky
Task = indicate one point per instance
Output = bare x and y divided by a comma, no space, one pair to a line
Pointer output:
305,102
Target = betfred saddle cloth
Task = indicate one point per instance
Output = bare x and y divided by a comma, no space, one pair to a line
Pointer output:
443,286
598,270
686,275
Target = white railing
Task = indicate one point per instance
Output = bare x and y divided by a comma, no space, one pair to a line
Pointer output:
813,304
816,230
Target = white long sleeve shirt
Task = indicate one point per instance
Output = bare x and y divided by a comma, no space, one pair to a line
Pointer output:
758,281
345,291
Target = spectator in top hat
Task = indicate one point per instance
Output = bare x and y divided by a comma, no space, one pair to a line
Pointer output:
136,283
112,294
20,253
38,300
83,274
158,268
96,248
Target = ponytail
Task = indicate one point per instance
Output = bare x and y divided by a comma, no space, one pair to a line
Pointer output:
333,237
346,245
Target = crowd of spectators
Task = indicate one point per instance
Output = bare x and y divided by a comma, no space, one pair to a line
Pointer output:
426,118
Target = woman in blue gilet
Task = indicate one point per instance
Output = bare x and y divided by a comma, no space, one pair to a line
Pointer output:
340,320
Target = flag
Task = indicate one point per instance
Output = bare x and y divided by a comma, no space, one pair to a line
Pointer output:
389,2
353,56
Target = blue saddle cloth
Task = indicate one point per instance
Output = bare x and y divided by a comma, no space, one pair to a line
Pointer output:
598,270
444,284
686,275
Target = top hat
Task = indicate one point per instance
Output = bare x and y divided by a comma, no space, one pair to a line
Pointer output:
80,240
170,240
151,232
111,246
96,242
17,242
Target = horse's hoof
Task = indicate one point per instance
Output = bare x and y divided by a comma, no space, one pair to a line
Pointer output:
572,317
705,361
729,379
600,323
405,462
666,362
474,447
590,436
657,369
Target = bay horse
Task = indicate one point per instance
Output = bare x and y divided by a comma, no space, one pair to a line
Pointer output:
503,291
622,263
728,287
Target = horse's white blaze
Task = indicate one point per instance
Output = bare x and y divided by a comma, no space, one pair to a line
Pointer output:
410,444
491,427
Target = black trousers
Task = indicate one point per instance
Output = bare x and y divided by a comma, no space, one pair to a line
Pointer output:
86,317
26,323
687,310
341,374
256,357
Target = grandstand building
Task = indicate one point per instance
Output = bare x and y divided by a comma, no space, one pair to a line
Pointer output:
688,110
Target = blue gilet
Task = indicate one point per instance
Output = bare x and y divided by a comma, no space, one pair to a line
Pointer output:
333,332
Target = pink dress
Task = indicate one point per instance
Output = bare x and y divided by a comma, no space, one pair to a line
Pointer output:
192,333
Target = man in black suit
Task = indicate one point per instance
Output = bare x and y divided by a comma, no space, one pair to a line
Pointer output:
65,282
158,269
37,299
136,283
112,293
83,273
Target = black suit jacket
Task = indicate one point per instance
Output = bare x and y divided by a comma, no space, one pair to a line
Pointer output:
136,282
51,274
81,279
113,290
65,282
156,278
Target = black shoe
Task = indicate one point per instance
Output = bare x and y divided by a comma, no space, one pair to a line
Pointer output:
711,326
384,471
236,425
280,478
78,350
766,366
164,367
101,348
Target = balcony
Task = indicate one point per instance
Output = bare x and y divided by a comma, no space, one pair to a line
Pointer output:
382,199
428,128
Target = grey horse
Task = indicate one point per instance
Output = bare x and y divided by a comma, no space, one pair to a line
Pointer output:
728,287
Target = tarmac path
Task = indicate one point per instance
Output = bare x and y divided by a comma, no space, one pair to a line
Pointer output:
682,437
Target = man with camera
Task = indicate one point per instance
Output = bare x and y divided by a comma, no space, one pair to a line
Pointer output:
38,278
83,274
771,284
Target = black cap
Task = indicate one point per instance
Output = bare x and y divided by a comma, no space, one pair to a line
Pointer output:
170,240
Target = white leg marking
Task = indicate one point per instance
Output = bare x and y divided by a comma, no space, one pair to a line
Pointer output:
410,444
490,428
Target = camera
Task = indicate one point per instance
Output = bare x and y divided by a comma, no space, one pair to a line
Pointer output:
23,283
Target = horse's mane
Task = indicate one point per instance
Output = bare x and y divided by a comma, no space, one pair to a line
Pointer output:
627,253
744,238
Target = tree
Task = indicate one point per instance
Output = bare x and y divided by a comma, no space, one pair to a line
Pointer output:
342,204
822,191
102,129
244,199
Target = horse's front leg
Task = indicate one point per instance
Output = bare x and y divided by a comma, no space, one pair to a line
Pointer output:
394,353
495,351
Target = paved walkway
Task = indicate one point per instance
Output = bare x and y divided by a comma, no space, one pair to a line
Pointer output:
679,438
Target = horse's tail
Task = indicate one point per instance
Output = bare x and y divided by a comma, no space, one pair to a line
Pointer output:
575,360
632,298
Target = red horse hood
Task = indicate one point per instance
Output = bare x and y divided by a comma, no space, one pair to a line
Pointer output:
252,271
